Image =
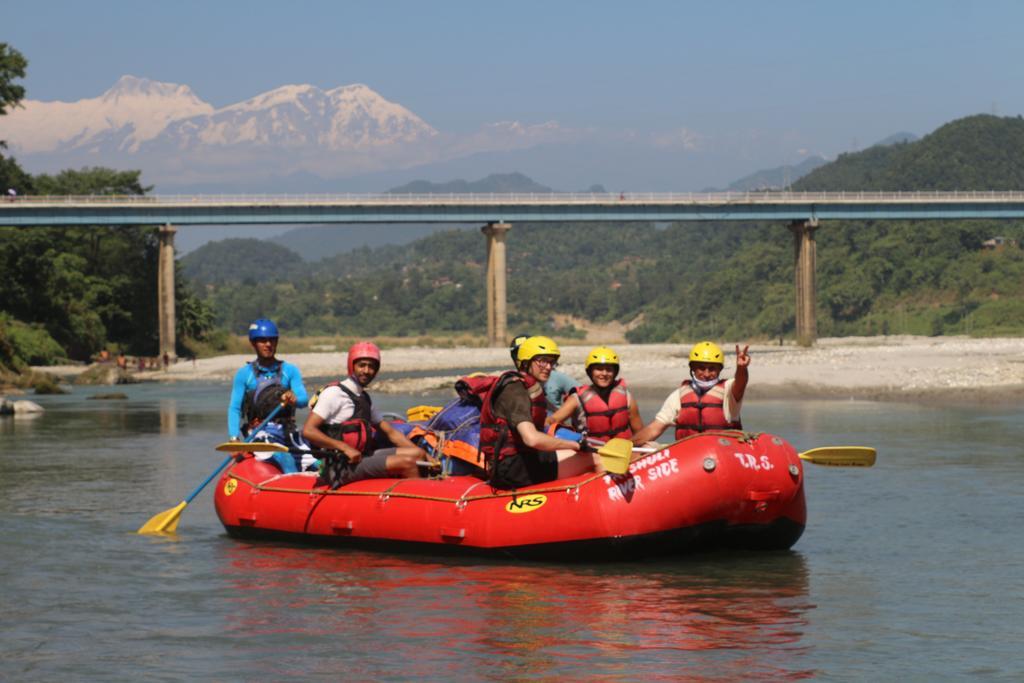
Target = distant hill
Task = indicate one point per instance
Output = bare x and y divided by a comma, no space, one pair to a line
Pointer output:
777,178
494,183
241,260
981,152
315,242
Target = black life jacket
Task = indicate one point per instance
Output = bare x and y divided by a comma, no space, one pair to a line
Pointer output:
260,401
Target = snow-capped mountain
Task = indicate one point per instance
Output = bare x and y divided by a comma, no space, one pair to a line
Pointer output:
298,138
130,113
138,115
177,139
296,116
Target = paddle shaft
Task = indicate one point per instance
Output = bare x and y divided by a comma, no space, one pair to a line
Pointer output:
830,456
252,434
643,450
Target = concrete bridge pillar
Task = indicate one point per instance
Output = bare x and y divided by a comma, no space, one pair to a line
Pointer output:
497,290
165,291
804,248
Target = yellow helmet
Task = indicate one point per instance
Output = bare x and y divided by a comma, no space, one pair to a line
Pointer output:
602,355
706,352
537,346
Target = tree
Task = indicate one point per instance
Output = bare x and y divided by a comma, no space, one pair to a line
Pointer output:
13,176
95,180
92,285
12,65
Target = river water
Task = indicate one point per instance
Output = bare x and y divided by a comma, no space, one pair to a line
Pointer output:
913,568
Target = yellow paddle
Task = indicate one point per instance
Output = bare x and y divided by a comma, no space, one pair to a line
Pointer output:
166,522
830,456
840,456
615,455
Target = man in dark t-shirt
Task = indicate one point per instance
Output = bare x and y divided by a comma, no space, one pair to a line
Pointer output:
513,404
546,457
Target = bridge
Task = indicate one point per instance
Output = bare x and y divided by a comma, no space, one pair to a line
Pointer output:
802,211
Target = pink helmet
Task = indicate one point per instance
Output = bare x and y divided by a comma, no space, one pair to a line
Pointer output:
363,349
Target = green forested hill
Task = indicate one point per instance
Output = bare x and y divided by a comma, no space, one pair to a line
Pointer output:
689,280
979,152
245,260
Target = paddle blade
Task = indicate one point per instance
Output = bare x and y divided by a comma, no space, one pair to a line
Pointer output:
840,456
243,447
615,455
165,522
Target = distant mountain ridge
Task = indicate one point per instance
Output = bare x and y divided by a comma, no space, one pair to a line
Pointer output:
777,178
496,182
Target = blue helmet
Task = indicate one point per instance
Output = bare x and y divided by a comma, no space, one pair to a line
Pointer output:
262,329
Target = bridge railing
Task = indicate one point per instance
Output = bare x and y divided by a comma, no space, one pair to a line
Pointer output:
523,198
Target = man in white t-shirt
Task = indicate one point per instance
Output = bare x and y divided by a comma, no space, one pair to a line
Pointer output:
342,418
705,401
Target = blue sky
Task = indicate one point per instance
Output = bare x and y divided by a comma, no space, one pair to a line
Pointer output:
820,76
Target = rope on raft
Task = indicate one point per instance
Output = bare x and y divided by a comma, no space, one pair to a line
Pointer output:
391,493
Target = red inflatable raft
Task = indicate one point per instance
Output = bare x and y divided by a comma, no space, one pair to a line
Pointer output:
718,489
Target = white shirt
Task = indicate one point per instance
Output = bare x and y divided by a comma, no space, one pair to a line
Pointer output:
670,408
335,406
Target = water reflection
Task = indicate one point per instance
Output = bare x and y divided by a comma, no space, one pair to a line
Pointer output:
714,618
168,417
898,561
11,424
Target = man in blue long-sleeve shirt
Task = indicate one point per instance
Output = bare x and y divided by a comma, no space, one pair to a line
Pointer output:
264,383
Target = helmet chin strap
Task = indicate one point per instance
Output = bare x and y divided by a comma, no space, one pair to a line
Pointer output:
702,385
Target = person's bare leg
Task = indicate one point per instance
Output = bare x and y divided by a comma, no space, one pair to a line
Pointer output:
571,463
403,462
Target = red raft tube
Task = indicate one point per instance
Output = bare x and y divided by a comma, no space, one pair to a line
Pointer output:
719,489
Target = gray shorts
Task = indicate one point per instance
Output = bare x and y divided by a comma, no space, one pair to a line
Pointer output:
373,466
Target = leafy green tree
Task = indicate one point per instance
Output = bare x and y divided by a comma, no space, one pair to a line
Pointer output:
90,286
89,181
12,66
12,176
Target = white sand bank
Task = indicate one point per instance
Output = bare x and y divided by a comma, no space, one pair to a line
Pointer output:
912,368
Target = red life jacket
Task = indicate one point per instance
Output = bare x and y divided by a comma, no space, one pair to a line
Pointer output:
605,420
499,439
355,431
701,413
